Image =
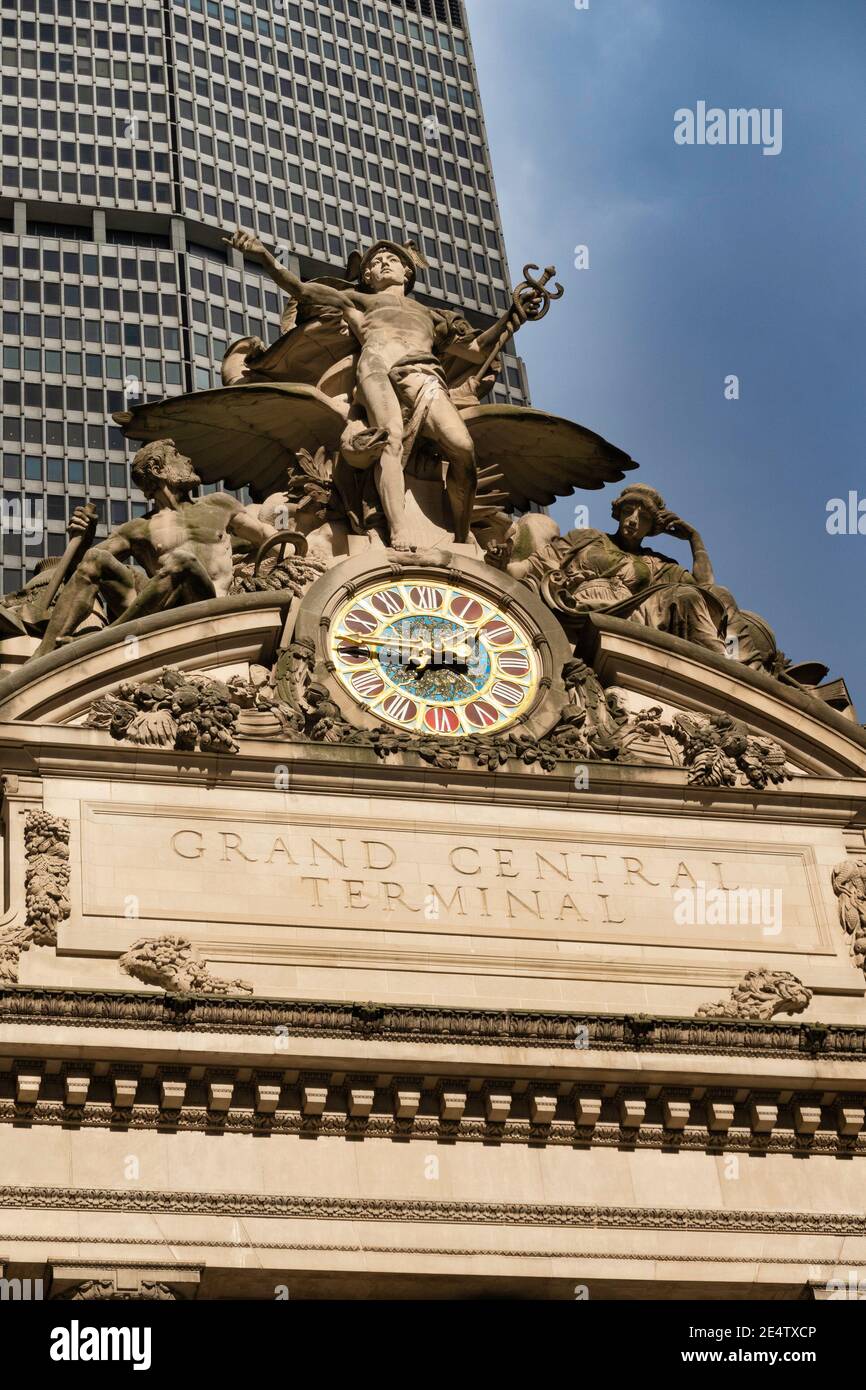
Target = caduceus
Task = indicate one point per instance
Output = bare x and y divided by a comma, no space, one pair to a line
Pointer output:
531,301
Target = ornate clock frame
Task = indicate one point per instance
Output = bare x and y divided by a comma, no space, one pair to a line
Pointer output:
328,596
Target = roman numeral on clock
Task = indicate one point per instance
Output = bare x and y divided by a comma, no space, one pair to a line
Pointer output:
442,720
401,708
359,620
469,609
425,597
498,632
481,715
513,664
388,601
507,694
368,684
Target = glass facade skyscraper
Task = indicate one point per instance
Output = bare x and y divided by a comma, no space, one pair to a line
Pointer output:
136,135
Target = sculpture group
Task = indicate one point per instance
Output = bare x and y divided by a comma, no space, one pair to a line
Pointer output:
365,428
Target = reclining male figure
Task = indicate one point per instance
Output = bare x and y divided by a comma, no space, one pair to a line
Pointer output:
183,546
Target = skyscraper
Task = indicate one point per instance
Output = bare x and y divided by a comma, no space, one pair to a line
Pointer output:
136,135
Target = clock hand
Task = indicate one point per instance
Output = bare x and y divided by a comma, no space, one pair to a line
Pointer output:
420,650
461,645
400,644
376,644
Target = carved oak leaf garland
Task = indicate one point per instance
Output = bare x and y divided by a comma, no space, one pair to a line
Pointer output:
196,713
46,890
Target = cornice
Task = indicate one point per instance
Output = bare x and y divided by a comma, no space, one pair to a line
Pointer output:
527,1214
617,646
510,1110
70,751
422,1024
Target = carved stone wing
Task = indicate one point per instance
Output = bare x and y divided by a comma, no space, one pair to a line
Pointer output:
243,436
526,456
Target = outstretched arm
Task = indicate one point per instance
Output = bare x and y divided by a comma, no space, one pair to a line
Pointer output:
325,295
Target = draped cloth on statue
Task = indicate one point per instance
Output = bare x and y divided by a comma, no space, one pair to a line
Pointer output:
598,575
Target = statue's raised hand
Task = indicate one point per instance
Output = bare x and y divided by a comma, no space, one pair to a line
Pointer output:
82,521
672,525
248,245
499,553
528,304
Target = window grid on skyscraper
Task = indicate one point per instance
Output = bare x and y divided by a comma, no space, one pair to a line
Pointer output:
135,135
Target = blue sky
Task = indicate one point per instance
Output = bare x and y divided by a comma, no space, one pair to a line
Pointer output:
703,262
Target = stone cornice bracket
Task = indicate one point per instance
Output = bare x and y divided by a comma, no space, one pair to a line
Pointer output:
452,1096
587,1107
171,963
476,1108
631,1104
759,996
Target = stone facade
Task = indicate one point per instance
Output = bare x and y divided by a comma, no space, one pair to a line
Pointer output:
403,898
404,1029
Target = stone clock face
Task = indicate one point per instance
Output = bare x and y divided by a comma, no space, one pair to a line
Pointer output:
433,657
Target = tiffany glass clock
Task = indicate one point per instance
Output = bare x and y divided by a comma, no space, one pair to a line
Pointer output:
438,651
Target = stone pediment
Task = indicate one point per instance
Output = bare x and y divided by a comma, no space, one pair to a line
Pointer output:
657,667
215,636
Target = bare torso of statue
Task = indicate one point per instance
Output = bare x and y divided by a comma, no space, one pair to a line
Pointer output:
196,529
183,546
389,327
